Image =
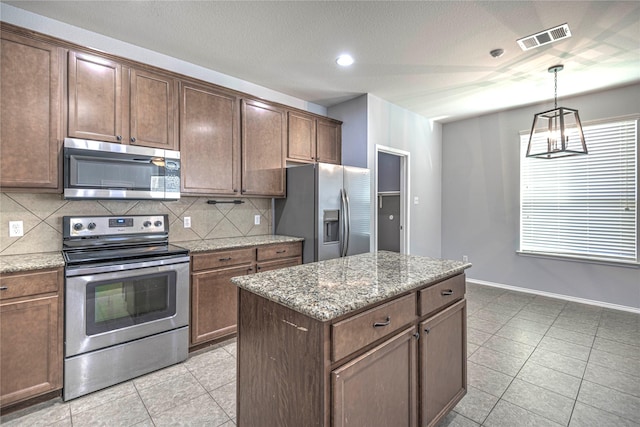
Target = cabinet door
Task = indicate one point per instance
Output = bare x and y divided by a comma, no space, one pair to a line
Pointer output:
31,359
301,141
214,303
209,141
264,128
379,387
153,110
443,360
95,103
329,142
31,115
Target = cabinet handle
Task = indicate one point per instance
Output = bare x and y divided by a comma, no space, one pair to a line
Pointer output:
446,292
417,335
250,269
3,288
119,137
224,259
427,330
133,139
281,252
235,190
382,324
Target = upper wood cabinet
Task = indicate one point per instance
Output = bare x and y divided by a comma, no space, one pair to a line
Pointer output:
209,140
31,129
264,130
111,102
311,139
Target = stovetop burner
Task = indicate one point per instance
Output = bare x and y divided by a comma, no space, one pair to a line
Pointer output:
99,239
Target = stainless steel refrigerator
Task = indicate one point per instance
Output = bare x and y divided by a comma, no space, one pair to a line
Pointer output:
330,207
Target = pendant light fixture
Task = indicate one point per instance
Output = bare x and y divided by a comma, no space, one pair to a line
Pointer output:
558,132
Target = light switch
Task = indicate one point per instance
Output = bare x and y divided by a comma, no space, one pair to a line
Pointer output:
187,222
256,220
416,201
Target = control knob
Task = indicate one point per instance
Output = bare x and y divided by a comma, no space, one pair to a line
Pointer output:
157,223
77,226
91,226
146,223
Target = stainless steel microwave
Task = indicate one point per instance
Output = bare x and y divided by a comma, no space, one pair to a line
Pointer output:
102,170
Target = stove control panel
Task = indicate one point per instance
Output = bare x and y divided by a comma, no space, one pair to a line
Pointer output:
93,226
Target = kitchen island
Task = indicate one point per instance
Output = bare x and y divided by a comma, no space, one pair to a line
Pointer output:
376,339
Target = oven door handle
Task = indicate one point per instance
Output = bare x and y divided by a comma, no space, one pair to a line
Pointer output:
112,267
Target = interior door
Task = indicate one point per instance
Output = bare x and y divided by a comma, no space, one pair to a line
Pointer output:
389,222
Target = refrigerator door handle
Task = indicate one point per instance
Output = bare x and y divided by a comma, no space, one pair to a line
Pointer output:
348,223
343,223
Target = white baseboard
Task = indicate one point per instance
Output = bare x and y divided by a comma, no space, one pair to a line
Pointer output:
558,296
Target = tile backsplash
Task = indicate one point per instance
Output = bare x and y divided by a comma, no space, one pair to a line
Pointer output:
42,218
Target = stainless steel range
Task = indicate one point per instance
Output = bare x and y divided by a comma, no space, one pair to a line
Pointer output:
126,300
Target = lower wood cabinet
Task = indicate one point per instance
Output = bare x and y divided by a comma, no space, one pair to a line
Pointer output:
30,334
385,366
443,362
378,388
214,298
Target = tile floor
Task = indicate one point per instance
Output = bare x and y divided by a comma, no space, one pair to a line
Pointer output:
532,361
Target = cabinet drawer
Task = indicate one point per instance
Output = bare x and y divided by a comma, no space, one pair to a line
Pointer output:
23,284
223,258
284,250
354,333
441,294
279,263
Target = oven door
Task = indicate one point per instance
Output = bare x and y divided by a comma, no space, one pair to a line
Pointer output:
113,305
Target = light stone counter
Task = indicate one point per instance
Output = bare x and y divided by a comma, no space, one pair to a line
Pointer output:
40,261
25,262
328,289
195,246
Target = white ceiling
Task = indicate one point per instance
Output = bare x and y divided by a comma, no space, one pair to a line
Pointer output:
430,57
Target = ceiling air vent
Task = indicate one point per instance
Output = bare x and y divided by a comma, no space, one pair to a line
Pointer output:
545,37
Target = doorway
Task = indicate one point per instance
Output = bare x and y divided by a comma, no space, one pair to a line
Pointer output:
392,189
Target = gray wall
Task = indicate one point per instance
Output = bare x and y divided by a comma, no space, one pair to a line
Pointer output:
481,204
388,172
395,127
353,114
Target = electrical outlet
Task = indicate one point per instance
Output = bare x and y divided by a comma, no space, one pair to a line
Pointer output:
256,220
465,258
16,229
416,201
187,222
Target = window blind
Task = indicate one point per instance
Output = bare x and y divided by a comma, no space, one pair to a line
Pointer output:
583,206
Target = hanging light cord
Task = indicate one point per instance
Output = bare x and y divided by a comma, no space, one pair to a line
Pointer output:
555,89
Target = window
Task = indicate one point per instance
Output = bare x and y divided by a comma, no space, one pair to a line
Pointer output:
583,206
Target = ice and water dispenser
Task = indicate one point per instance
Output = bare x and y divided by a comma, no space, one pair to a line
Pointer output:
331,226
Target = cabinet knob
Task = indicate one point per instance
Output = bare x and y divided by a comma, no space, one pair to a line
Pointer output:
387,322
133,139
282,251
427,330
417,335
224,259
119,137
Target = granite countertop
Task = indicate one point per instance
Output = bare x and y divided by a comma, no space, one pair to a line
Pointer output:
328,289
196,246
25,262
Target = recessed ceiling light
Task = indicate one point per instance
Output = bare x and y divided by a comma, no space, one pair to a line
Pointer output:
344,60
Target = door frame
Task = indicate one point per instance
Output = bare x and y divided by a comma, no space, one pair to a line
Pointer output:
404,195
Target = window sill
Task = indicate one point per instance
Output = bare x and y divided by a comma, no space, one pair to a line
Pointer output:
601,261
